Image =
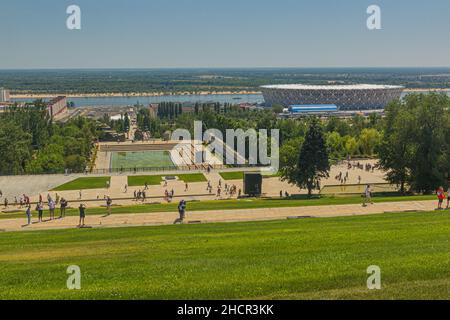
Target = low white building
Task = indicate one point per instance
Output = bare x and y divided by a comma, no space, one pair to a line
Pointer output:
4,95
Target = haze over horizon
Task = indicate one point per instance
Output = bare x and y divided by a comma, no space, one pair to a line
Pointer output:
214,34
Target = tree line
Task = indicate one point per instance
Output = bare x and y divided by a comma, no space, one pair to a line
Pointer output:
31,143
411,140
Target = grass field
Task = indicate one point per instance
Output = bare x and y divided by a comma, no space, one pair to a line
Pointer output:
291,259
233,205
136,181
239,175
84,183
232,175
191,178
141,159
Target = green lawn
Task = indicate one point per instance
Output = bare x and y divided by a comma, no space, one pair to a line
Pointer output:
141,159
191,178
136,181
236,175
239,175
84,183
290,259
233,205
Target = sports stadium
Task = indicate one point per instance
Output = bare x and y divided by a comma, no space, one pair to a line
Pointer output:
345,97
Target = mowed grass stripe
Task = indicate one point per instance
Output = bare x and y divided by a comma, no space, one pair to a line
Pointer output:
137,181
323,258
84,184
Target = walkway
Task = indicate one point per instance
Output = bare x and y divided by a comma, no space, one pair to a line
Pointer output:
151,219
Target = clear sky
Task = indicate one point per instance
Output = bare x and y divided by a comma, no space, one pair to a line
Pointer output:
223,33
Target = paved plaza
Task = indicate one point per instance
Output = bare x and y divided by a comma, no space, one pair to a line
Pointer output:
33,186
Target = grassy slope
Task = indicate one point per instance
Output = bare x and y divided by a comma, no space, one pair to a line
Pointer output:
323,258
231,205
84,183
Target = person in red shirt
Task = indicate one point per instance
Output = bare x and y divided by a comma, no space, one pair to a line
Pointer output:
441,196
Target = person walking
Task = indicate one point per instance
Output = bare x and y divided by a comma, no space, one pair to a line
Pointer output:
40,210
181,212
82,210
367,196
441,196
108,206
63,206
28,213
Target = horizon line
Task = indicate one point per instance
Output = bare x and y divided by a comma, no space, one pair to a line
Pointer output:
218,68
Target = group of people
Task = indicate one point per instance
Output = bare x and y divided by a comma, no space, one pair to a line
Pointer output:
357,165
441,194
140,195
23,200
51,204
344,178
229,190
63,204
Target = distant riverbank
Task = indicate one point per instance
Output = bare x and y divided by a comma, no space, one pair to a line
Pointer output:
168,94
129,95
116,100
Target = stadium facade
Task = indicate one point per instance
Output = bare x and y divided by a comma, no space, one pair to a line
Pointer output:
345,97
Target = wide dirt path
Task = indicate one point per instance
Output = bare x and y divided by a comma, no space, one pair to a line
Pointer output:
148,219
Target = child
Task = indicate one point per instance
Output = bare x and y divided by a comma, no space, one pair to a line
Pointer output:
441,196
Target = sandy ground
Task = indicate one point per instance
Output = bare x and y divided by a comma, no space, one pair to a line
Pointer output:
215,216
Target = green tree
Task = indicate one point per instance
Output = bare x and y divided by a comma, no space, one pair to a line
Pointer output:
313,163
415,148
15,146
335,145
369,141
289,156
350,145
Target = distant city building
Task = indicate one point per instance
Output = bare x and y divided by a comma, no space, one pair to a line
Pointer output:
4,95
320,109
345,97
57,107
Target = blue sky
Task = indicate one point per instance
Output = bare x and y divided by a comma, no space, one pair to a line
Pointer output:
223,33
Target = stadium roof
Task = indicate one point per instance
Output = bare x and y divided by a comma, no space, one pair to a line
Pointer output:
331,87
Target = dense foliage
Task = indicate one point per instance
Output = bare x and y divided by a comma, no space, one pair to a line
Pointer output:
32,144
416,144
